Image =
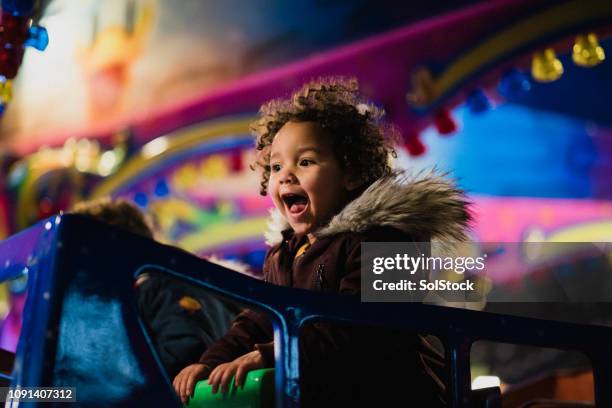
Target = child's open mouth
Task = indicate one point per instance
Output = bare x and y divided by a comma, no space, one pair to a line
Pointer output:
296,203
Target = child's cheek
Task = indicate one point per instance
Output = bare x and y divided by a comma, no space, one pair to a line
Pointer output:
277,203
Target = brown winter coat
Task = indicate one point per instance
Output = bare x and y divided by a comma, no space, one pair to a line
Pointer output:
345,365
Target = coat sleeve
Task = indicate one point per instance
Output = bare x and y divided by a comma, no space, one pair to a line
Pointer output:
250,328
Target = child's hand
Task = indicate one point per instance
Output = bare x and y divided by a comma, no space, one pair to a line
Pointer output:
223,373
185,381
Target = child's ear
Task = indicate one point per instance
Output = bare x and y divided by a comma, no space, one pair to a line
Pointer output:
352,181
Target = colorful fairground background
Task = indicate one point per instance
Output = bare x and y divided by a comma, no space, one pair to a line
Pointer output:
150,100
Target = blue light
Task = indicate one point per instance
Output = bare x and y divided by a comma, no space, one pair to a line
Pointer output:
256,258
478,102
514,82
161,188
532,155
38,38
141,199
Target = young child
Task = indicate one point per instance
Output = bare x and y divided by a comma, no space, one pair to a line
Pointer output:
325,159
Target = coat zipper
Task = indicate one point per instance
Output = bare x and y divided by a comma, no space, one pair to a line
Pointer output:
319,279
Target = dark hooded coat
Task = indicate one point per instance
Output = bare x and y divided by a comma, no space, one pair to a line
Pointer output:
342,365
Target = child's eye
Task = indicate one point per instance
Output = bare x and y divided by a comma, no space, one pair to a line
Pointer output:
306,162
275,168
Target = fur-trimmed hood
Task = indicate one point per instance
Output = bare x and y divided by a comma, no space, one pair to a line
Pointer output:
422,204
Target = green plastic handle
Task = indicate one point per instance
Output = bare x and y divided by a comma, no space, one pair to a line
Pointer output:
257,392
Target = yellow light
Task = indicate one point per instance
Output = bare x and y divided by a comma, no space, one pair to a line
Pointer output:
82,163
6,91
185,177
107,163
545,67
214,168
587,52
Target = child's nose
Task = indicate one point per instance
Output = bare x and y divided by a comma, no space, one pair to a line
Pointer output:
287,176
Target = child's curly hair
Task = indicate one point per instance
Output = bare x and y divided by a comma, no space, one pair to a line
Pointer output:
359,137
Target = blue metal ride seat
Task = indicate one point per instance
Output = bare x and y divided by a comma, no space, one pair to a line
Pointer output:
81,326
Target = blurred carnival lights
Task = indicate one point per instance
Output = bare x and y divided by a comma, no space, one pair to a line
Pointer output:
444,122
587,52
478,101
514,82
545,66
155,147
415,146
107,163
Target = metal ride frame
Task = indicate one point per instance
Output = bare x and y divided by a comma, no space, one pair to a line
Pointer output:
76,265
